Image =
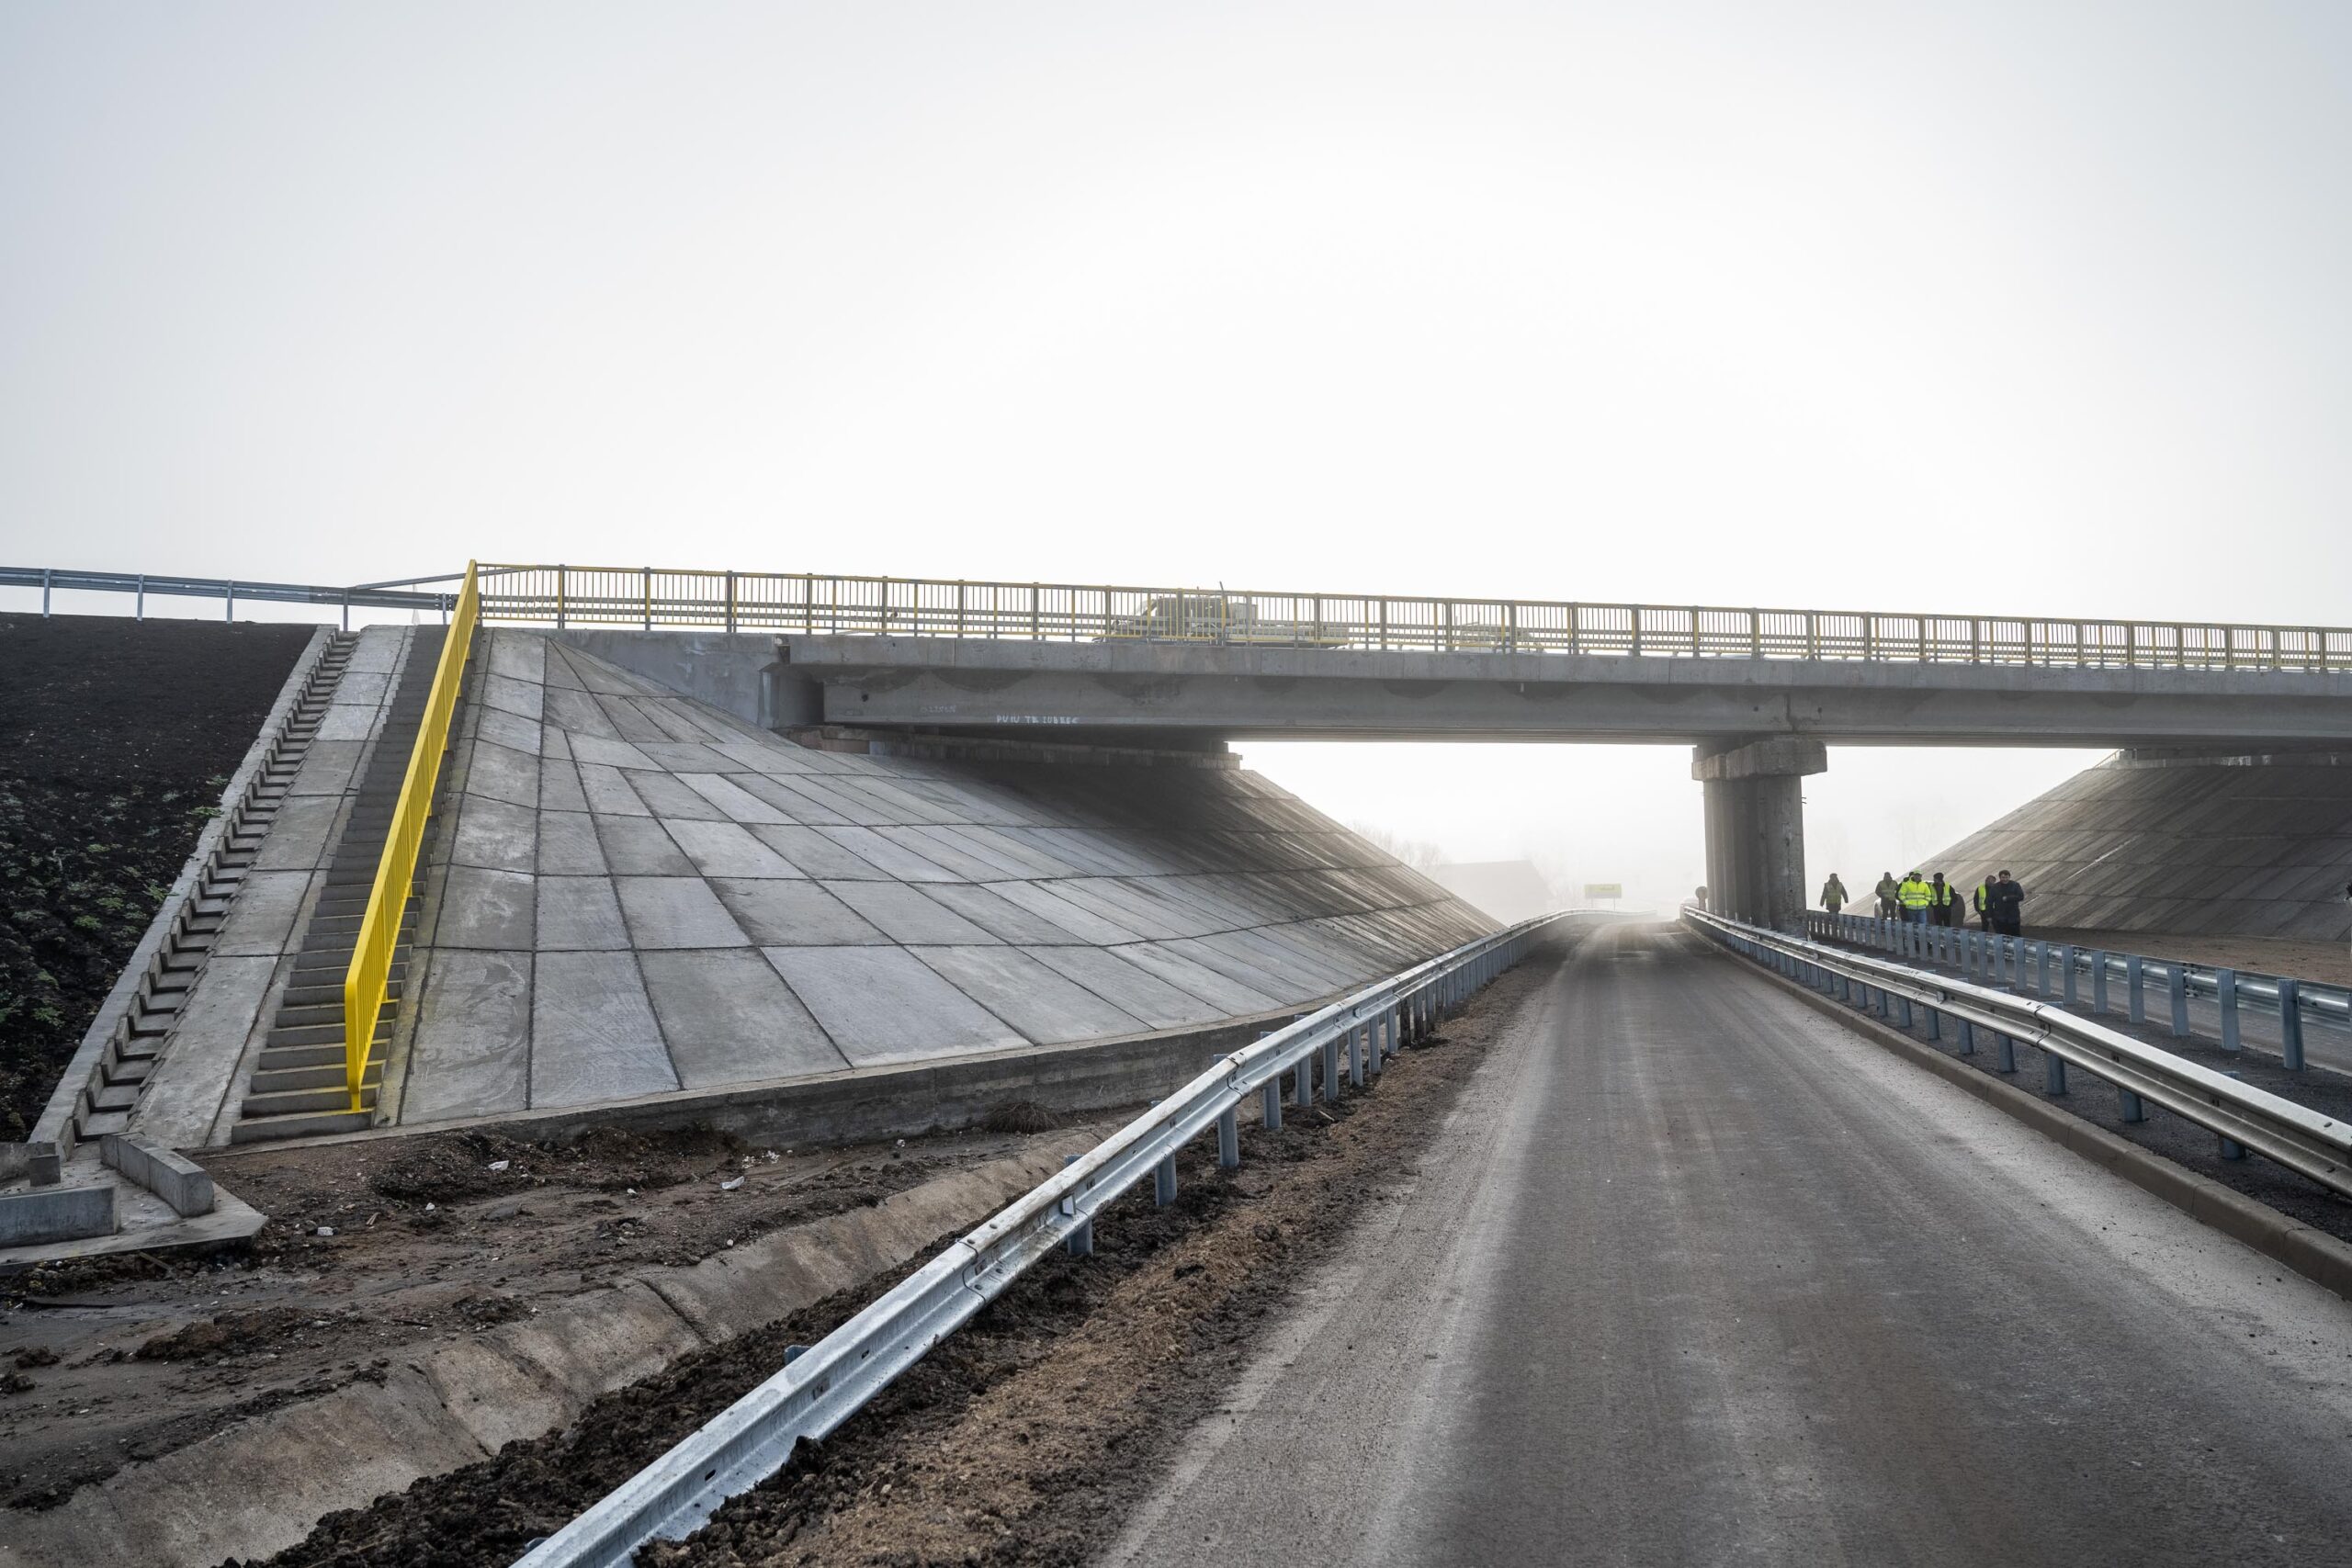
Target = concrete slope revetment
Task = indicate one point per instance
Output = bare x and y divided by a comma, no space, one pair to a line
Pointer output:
633,896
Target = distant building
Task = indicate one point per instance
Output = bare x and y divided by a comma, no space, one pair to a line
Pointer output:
1509,890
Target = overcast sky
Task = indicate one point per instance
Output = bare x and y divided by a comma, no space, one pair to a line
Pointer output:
1984,307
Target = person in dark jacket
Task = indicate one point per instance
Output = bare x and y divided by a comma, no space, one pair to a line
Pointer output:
1941,901
2004,903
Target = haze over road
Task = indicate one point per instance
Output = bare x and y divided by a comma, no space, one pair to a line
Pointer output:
1696,1276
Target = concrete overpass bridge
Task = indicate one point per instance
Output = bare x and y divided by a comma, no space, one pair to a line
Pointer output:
1757,694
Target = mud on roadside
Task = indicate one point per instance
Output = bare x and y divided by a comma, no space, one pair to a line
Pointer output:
374,1250
1026,1436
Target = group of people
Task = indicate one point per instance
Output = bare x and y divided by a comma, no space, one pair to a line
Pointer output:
2000,901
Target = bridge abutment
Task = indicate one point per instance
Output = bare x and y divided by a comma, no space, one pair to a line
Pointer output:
1755,825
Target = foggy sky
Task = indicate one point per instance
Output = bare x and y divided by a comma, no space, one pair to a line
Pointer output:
1989,307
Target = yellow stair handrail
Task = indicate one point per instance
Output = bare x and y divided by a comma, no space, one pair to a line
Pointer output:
364,986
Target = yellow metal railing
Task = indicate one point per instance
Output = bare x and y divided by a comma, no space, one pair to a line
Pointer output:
899,607
363,986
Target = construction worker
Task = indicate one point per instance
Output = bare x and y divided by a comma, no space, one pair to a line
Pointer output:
1985,905
1832,893
2004,901
1889,895
1944,905
1914,893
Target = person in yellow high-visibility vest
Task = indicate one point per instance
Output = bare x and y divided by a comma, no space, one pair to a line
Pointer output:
1914,895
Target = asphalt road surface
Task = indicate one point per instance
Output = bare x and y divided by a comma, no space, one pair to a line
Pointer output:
1693,1275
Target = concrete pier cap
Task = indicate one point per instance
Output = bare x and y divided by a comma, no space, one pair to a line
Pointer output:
1754,822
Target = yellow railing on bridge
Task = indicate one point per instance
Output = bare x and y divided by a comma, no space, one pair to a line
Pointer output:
366,982
898,606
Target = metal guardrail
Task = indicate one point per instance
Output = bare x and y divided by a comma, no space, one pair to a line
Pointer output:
817,1391
366,983
372,596
2295,1136
2058,969
809,603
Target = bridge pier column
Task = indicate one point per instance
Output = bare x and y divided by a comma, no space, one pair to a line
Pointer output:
1755,819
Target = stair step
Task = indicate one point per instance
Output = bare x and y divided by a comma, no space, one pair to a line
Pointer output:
93,1125
302,1101
316,1123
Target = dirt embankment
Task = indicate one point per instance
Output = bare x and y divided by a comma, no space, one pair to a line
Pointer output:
376,1250
116,739
1026,1436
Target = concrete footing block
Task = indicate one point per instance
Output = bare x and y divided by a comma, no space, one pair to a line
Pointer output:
55,1213
181,1182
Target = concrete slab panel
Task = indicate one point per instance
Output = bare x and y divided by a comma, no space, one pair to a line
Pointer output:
297,840
611,754
554,742
882,1004
361,689
500,773
789,802
495,835
895,860
999,917
379,650
672,801
486,910
567,846
521,698
1135,990
472,1050
580,914
729,1017
1045,1006
559,784
725,849
794,914
577,715
519,656
639,846
737,804
594,1037
817,855
676,912
826,801
1087,926
326,769
683,757
515,733
261,917
1229,995
1011,859
348,721
609,793
951,857
906,916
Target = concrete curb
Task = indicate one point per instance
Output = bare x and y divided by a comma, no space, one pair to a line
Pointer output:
437,1409
2311,1252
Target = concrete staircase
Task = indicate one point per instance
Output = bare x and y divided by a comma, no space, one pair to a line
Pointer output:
105,1103
299,1086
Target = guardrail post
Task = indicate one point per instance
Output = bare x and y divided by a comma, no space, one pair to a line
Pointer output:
1935,1023
1358,1037
1269,1098
2176,991
2134,1108
1331,1069
2135,984
1163,1182
2098,982
2290,1024
2066,968
46,572
1907,1011
2041,967
2054,1072
1228,1140
1967,1038
2231,1147
1082,1236
1303,1093
2226,996
2004,1054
